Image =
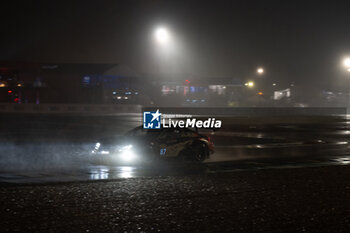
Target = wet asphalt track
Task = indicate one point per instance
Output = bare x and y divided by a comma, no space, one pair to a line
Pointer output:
237,147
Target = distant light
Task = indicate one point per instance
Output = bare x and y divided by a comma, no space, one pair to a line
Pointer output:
343,160
260,93
347,62
187,81
260,70
9,91
114,92
274,84
349,70
249,84
162,35
119,97
2,85
19,85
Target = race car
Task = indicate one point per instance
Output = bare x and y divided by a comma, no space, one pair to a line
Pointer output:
144,144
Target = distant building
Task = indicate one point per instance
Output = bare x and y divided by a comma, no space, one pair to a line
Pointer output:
189,90
19,82
31,82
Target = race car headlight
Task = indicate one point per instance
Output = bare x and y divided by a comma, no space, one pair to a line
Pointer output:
97,147
125,148
97,150
126,153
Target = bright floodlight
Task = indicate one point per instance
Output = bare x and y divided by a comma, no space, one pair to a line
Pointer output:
260,70
162,35
347,62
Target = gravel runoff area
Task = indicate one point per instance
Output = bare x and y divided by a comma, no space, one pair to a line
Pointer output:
277,200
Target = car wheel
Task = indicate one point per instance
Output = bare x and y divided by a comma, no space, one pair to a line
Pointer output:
199,152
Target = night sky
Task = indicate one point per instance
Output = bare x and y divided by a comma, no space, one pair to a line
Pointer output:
301,42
